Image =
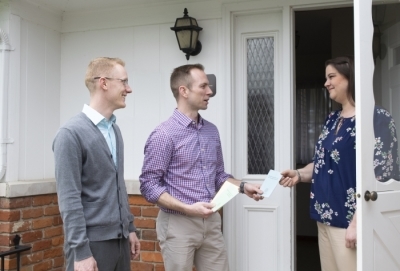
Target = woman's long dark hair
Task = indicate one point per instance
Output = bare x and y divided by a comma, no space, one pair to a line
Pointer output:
345,66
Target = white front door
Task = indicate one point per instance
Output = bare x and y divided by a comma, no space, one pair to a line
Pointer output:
378,228
259,232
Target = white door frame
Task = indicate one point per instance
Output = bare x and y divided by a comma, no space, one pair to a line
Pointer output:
364,67
287,100
286,64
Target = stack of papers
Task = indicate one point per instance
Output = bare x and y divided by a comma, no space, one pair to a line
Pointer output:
227,192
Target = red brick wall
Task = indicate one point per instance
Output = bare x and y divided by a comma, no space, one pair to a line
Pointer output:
145,222
37,220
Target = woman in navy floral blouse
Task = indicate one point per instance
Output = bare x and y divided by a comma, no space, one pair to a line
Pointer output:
333,171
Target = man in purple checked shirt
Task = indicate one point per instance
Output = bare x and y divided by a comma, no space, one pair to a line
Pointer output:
182,171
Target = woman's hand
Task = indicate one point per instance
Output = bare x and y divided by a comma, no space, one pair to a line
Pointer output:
351,233
289,178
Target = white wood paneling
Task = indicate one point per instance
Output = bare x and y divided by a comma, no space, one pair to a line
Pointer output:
146,98
4,16
51,100
14,99
263,242
151,53
39,100
36,14
120,16
77,51
33,131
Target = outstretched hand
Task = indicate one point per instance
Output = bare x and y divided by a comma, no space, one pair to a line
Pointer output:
253,191
289,178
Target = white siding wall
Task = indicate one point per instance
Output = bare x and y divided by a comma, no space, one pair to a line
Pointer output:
40,102
150,52
46,88
48,65
33,92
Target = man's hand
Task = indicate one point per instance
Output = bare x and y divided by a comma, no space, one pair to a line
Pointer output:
253,191
134,245
199,209
88,264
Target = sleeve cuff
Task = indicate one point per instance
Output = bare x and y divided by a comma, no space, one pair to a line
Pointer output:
131,227
82,252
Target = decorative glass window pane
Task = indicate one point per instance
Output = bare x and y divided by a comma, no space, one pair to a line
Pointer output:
260,105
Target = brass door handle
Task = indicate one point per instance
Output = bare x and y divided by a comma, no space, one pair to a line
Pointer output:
370,196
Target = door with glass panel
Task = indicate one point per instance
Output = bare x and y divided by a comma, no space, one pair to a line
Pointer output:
378,182
262,228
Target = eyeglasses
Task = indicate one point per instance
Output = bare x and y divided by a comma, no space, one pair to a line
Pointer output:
123,81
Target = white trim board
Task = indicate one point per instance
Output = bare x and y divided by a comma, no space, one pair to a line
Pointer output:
48,186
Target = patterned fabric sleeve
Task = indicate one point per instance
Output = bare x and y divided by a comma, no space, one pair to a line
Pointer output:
386,159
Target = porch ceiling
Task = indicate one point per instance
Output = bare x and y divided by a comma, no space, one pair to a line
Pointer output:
81,5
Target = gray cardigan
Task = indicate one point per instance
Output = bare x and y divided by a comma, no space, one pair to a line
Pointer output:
91,191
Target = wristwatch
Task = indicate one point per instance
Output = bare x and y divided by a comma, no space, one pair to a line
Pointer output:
241,187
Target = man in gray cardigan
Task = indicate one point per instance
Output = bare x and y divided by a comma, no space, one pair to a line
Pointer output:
89,165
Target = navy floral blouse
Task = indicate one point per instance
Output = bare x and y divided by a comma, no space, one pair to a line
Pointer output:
333,186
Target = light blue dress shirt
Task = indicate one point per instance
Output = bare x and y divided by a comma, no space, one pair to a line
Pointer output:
105,127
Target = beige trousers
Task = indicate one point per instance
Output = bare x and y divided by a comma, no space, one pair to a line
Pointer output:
334,254
185,241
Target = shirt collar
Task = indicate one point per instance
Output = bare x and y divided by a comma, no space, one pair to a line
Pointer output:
95,116
185,120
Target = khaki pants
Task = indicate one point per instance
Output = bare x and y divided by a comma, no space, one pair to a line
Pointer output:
185,241
334,254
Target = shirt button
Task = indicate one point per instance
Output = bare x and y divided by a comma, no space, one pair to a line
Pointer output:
204,167
119,235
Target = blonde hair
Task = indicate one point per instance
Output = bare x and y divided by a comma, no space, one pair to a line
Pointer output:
100,67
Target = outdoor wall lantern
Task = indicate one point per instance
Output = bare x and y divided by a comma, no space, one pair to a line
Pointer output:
187,33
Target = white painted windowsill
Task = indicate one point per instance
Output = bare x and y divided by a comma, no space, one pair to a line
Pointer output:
42,187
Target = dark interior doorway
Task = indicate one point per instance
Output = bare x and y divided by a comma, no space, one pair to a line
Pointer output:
320,35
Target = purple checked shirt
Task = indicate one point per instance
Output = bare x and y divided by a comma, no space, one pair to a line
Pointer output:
183,159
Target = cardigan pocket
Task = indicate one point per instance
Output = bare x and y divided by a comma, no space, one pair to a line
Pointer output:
97,213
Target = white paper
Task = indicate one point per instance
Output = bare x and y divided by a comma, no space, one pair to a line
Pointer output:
227,192
270,182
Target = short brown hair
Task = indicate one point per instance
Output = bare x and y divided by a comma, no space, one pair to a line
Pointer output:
181,77
100,67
